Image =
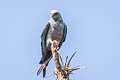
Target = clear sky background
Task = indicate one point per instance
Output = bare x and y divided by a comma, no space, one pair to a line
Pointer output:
93,30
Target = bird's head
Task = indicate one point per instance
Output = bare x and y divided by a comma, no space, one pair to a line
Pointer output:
55,15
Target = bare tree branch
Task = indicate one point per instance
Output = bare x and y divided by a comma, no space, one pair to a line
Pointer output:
61,72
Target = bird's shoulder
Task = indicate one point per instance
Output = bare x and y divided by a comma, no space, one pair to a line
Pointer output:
45,30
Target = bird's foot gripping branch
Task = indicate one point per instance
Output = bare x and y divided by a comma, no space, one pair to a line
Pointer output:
61,72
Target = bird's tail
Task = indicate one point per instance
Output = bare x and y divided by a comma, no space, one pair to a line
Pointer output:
40,70
43,67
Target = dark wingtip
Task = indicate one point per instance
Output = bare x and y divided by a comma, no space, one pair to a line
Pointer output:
41,61
44,72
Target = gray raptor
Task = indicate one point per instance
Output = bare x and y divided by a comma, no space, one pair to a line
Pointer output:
56,29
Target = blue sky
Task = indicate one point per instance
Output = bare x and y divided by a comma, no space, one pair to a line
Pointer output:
93,30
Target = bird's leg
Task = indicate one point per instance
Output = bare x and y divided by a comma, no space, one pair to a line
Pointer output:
55,44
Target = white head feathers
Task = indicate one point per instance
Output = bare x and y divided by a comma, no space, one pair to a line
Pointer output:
55,15
53,12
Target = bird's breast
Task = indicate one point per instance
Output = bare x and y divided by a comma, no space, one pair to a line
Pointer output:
55,33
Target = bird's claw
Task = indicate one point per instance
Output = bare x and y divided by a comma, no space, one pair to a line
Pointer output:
55,44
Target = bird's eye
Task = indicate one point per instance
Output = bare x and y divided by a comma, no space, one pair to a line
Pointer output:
56,14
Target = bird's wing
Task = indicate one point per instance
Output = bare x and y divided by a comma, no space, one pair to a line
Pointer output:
43,41
64,35
44,49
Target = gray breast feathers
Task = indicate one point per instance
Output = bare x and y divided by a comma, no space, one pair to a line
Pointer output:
55,32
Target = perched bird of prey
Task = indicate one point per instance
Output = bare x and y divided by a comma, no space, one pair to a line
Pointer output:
56,29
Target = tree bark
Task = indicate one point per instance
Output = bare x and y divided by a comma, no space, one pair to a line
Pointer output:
60,72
